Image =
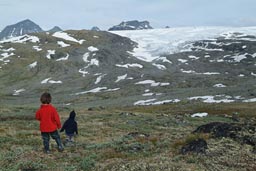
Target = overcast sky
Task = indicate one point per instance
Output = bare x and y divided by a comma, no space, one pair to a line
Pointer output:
84,14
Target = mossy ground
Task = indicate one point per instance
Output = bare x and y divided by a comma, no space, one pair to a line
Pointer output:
103,142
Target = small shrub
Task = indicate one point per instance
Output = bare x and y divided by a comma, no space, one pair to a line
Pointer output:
88,162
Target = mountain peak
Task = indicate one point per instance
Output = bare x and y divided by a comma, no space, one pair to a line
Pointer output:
55,29
95,28
132,25
23,27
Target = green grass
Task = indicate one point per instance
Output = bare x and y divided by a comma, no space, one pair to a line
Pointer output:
103,142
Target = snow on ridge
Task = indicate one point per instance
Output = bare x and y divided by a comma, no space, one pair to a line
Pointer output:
154,42
65,36
22,39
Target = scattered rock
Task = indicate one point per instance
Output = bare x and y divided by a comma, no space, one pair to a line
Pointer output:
196,146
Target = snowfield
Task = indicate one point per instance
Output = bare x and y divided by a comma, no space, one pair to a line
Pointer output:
156,42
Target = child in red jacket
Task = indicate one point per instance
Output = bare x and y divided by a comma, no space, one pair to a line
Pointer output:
49,122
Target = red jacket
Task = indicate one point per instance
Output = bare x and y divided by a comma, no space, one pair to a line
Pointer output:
48,117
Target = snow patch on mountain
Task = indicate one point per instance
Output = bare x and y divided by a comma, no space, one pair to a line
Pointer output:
155,42
62,44
200,115
219,85
6,55
99,78
37,48
163,59
33,65
95,90
159,66
22,39
8,50
250,100
85,57
63,58
48,80
152,83
49,53
213,99
17,92
65,36
92,49
122,77
239,58
129,65
151,102
194,72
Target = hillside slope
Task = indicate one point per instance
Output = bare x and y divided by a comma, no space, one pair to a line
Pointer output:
95,68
